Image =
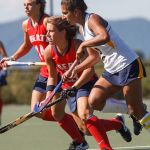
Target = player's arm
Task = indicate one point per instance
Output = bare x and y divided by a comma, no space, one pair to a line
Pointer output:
91,58
2,50
87,73
25,46
52,79
98,26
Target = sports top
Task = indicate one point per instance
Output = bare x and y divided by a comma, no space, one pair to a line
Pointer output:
64,62
115,54
37,36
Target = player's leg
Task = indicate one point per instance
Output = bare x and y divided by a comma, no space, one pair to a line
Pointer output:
66,122
95,126
119,106
133,96
39,94
100,92
91,122
80,123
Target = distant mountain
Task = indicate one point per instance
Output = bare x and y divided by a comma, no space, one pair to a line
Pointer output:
12,35
135,32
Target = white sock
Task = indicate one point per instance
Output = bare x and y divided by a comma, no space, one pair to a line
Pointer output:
145,121
115,106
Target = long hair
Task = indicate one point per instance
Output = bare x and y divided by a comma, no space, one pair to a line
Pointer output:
63,24
42,3
74,4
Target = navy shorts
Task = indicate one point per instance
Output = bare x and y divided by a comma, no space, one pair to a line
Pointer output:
40,84
83,91
3,75
131,72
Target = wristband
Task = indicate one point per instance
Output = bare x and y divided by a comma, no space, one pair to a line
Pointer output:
50,88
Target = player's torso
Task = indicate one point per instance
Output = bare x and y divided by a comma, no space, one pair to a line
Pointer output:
37,36
115,54
64,62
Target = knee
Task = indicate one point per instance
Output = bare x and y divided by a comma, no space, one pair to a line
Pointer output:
97,103
84,115
58,115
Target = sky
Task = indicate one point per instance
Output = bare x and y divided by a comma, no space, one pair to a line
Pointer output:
109,9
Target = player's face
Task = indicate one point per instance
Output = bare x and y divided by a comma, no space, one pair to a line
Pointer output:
69,15
53,34
30,7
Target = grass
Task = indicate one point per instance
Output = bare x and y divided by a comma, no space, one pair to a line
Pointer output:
36,134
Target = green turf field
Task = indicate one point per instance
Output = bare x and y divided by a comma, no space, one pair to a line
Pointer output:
36,134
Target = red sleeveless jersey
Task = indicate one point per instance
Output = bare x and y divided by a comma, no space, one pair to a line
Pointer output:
63,63
37,36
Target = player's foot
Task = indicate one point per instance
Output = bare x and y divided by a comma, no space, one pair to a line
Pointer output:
75,146
124,131
137,127
83,146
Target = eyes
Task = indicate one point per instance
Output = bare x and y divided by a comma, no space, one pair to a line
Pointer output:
64,13
26,5
29,4
49,31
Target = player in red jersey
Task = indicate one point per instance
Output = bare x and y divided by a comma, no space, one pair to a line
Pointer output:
35,36
59,55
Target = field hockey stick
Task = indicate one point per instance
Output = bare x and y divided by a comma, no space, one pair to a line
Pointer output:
31,114
48,99
40,108
17,63
27,116
68,73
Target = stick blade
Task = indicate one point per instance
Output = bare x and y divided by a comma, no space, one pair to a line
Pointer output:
36,108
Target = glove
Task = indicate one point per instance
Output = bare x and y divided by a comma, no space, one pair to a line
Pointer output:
71,92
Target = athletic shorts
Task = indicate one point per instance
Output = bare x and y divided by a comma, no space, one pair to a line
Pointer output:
40,84
3,75
131,72
83,91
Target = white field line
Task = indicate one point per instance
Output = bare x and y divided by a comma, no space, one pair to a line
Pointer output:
133,147
130,148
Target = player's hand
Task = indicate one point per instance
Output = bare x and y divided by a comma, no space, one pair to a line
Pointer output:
74,72
66,76
71,91
40,104
80,52
3,62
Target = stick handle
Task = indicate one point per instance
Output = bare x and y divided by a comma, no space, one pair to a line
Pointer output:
73,65
17,63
